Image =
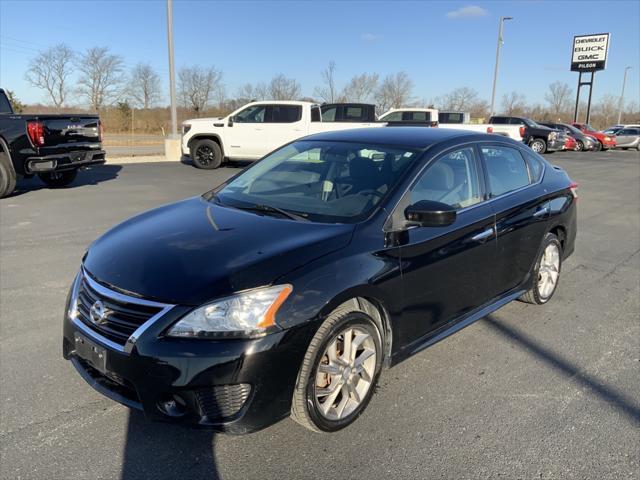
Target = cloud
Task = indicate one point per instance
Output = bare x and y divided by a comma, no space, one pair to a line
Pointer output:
470,11
368,37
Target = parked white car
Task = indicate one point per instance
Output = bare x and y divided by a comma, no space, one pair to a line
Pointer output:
254,130
431,115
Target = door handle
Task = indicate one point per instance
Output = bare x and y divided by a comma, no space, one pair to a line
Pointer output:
479,237
541,213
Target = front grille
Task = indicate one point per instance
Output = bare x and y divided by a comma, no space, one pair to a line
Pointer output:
222,401
121,318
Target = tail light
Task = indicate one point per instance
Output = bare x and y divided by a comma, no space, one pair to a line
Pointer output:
35,130
574,190
489,129
522,132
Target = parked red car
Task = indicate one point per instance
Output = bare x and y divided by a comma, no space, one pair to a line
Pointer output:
605,141
570,143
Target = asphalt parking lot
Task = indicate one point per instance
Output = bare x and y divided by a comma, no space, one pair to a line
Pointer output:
548,392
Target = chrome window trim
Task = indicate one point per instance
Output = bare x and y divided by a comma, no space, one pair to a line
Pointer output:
479,145
108,293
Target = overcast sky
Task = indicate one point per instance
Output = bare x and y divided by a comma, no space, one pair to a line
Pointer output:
441,45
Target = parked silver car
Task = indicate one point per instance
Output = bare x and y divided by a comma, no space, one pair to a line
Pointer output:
628,138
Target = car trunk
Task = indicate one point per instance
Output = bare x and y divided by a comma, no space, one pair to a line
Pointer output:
64,133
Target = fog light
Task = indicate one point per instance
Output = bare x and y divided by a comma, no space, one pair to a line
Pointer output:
173,406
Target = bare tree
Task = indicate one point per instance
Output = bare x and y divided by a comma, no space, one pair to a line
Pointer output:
144,85
558,97
198,85
249,93
513,103
460,100
49,71
395,91
283,88
328,92
606,109
100,76
361,88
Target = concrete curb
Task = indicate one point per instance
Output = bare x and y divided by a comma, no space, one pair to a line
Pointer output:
140,159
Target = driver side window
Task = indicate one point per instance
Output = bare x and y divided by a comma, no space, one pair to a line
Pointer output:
452,179
253,114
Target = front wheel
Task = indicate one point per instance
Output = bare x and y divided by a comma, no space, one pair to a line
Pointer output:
546,272
7,176
597,147
579,146
58,179
338,373
538,145
206,154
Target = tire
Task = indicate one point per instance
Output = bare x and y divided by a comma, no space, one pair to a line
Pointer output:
541,291
597,147
7,176
58,179
579,146
306,408
206,154
625,148
638,147
538,145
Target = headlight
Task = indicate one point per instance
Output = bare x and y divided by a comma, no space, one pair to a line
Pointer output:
246,314
72,305
607,139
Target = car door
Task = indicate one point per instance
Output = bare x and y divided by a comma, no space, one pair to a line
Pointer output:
447,271
625,137
284,123
246,137
521,209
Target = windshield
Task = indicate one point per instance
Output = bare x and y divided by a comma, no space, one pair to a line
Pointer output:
572,129
589,128
335,182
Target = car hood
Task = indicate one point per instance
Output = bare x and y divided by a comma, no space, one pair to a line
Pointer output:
193,251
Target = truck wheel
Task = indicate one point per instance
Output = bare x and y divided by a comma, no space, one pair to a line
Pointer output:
58,179
538,145
7,176
206,154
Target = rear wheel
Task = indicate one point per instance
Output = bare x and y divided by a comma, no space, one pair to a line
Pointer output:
58,179
538,145
597,147
206,154
339,372
7,176
579,146
546,273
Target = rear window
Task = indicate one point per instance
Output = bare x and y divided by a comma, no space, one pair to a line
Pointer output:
506,168
5,106
285,113
353,113
500,120
392,117
451,118
329,114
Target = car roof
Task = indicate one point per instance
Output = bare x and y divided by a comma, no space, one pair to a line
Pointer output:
411,137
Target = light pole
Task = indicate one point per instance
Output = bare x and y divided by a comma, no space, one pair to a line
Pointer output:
495,73
621,104
172,75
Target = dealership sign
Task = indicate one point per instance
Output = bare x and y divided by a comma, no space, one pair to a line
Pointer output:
589,52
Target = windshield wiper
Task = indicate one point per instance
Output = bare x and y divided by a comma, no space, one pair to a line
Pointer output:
268,208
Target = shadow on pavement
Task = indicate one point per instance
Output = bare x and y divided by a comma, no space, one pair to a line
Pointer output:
90,176
164,451
571,371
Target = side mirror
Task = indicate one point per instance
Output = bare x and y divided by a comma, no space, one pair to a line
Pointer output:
231,121
428,213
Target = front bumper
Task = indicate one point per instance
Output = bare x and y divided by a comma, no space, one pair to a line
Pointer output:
65,161
235,385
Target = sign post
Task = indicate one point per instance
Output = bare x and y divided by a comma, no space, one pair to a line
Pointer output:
588,56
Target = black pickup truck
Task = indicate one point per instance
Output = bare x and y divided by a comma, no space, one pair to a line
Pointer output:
541,139
54,147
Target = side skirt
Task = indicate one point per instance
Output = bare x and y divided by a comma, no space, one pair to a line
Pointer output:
434,337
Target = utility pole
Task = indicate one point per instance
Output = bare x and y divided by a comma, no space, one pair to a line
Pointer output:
495,73
172,75
621,104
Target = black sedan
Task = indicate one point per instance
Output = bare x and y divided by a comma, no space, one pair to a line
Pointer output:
288,288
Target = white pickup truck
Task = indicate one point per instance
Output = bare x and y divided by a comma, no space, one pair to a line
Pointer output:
426,116
254,130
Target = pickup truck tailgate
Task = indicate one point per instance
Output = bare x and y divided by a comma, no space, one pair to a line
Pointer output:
70,133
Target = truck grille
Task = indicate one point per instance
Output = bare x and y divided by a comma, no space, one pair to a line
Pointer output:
221,402
120,318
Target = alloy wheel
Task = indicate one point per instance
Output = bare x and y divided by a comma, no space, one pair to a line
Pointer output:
205,155
549,271
345,373
536,146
